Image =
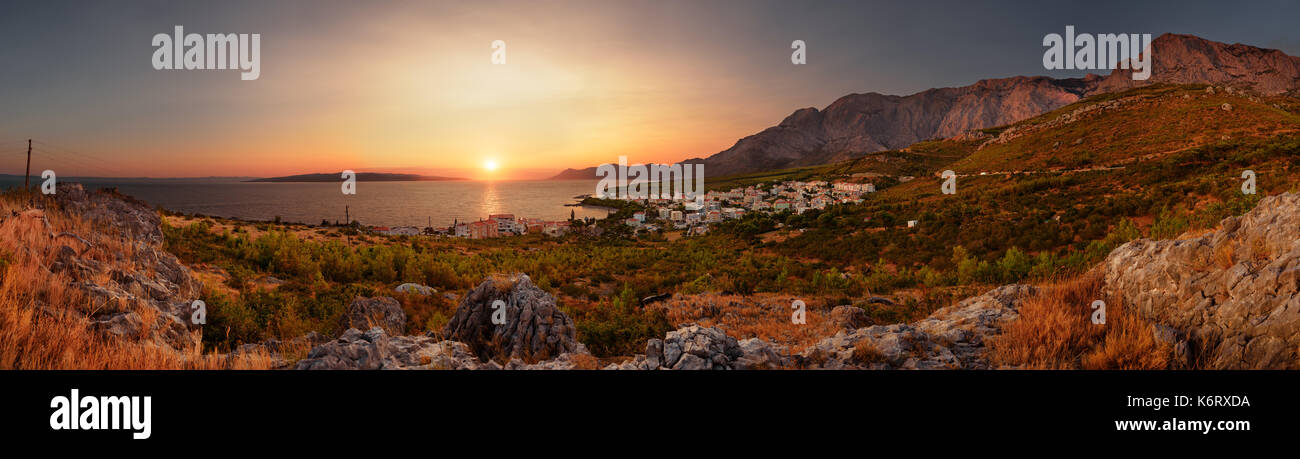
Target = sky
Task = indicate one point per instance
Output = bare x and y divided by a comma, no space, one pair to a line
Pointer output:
411,87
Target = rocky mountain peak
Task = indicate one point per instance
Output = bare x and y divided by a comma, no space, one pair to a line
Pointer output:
1188,59
857,124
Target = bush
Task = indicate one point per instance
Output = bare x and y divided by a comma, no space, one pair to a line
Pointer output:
620,328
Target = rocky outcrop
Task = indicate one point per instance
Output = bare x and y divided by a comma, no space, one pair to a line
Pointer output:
951,338
693,347
1229,299
529,325
141,292
1187,59
112,211
381,311
376,350
415,289
535,335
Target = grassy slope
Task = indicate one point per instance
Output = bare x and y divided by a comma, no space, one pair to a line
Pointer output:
1175,183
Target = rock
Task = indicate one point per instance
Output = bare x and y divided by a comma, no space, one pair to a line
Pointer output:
110,209
1226,107
655,298
951,338
757,354
121,325
142,293
693,347
415,289
566,361
1233,295
353,350
850,317
375,350
534,330
381,311
692,362
654,353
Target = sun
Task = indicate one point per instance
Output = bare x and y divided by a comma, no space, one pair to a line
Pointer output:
490,165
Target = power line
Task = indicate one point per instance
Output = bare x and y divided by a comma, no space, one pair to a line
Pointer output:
29,164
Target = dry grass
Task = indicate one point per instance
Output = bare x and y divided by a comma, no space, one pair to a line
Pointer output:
43,321
762,315
1225,254
585,362
1055,331
866,353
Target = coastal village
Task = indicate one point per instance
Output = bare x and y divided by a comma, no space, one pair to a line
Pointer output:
690,215
695,216
496,225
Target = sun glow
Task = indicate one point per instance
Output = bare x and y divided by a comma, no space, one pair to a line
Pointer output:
490,165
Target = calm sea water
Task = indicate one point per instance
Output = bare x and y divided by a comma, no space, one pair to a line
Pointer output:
376,203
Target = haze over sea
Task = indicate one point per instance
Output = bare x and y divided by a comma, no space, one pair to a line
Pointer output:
376,203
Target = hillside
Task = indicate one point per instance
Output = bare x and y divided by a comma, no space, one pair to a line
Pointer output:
1057,192
862,123
857,124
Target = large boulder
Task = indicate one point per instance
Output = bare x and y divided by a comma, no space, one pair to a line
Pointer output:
1231,298
138,293
532,327
376,350
693,347
380,311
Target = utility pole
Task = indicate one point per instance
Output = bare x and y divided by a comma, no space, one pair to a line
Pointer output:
347,217
28,175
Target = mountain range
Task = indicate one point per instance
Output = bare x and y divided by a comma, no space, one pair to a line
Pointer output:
858,124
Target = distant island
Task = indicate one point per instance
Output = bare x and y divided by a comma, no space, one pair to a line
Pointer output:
590,172
361,177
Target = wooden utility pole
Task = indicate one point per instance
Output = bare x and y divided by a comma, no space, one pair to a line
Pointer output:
347,216
28,175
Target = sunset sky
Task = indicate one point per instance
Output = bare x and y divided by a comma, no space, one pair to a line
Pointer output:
410,87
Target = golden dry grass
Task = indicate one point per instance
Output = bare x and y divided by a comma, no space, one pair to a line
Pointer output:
761,315
42,317
1055,331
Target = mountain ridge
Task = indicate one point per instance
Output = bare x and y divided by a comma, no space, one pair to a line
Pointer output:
862,123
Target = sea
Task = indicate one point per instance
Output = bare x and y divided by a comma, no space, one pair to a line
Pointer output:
420,204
